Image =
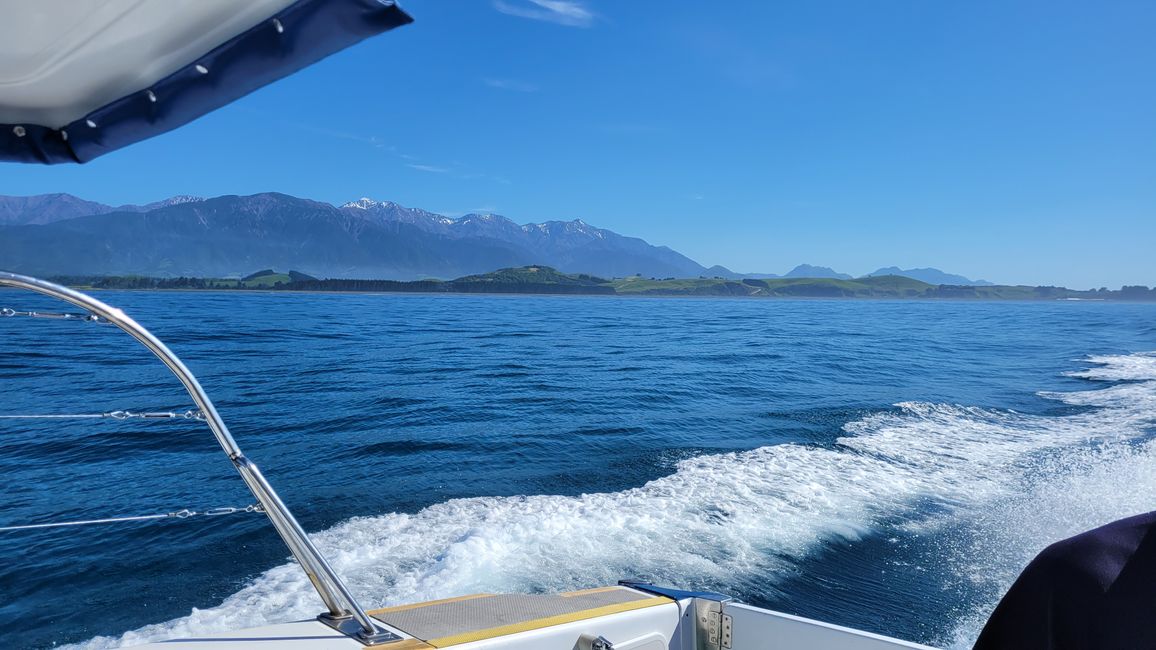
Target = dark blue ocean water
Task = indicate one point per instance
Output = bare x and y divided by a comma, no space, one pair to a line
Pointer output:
884,465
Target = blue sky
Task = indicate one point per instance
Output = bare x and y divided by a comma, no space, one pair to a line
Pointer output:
1011,141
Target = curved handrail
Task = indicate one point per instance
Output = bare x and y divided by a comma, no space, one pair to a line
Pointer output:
337,598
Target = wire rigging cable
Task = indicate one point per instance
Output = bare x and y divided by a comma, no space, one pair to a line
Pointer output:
113,415
179,514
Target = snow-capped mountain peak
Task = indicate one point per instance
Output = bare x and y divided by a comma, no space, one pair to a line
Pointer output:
361,238
364,203
183,198
576,226
179,199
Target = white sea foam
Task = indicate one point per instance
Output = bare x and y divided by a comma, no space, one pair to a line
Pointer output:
1120,367
724,519
1090,488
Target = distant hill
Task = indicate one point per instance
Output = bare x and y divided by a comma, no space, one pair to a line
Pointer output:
526,279
718,271
800,271
808,271
50,208
228,236
538,279
45,208
268,278
572,246
875,287
931,276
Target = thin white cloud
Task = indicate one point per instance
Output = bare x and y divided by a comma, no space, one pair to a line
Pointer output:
571,13
455,169
510,84
427,168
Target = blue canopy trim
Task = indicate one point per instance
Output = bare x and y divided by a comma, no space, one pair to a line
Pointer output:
676,594
304,33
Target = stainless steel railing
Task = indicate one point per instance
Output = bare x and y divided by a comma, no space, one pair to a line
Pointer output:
343,608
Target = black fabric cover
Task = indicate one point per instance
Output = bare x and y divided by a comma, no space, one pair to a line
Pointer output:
1094,590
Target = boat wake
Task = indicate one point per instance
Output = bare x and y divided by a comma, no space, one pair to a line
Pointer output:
1009,483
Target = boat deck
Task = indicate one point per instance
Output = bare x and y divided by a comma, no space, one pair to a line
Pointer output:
454,621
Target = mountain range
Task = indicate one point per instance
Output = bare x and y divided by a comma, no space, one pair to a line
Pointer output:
48,208
230,236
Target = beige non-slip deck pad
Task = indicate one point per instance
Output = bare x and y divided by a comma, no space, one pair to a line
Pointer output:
454,621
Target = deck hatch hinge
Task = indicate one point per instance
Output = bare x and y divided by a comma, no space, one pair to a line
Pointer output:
713,627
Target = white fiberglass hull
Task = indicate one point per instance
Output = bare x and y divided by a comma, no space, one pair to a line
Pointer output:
633,620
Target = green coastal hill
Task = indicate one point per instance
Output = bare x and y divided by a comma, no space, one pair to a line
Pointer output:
546,280
884,286
880,286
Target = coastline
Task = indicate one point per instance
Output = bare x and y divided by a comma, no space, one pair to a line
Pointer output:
645,296
545,281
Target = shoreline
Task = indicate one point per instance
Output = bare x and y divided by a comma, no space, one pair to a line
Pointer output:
546,281
649,296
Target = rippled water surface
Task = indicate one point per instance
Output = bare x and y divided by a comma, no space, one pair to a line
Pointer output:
884,465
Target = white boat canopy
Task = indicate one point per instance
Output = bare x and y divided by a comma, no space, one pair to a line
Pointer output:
81,79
